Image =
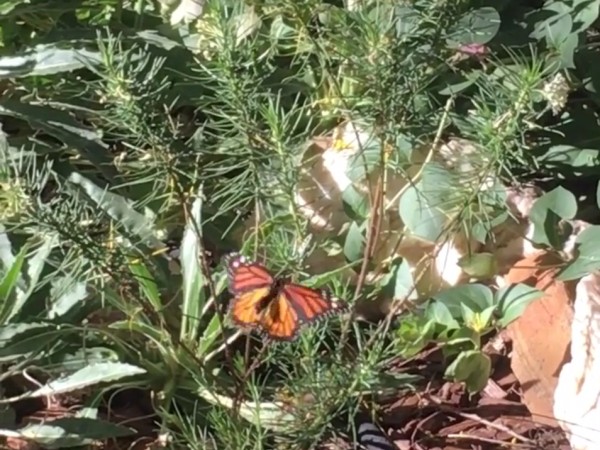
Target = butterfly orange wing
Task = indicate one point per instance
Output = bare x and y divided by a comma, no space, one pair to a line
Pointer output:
280,321
250,283
295,306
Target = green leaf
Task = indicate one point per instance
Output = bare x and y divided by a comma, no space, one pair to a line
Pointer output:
8,5
47,59
88,376
483,228
270,415
476,297
477,321
355,243
193,276
513,299
367,156
83,357
147,284
473,367
356,204
120,209
588,255
210,334
9,285
566,52
61,125
439,313
553,23
18,340
479,265
456,83
478,26
35,265
462,339
67,295
546,213
559,156
18,331
422,207
586,13
404,286
407,20
413,334
72,432
421,218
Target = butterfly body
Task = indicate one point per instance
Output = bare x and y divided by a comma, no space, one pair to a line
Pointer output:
271,304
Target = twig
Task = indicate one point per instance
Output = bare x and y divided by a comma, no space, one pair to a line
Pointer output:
488,440
476,418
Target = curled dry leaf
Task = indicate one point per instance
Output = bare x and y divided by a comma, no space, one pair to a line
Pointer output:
537,353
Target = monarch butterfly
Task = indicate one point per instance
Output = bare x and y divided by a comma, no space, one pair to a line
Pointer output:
273,305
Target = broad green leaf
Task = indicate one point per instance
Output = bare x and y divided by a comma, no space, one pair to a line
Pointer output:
481,230
8,5
8,287
71,362
407,20
459,340
47,59
473,367
403,283
270,415
588,255
478,26
513,299
33,339
479,265
468,316
63,126
356,204
476,297
565,157
281,31
7,258
153,334
586,13
147,284
456,83
36,262
553,23
120,209
67,295
478,321
546,214
18,331
354,243
439,313
211,333
366,156
72,432
88,376
423,206
566,51
413,334
423,219
193,277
